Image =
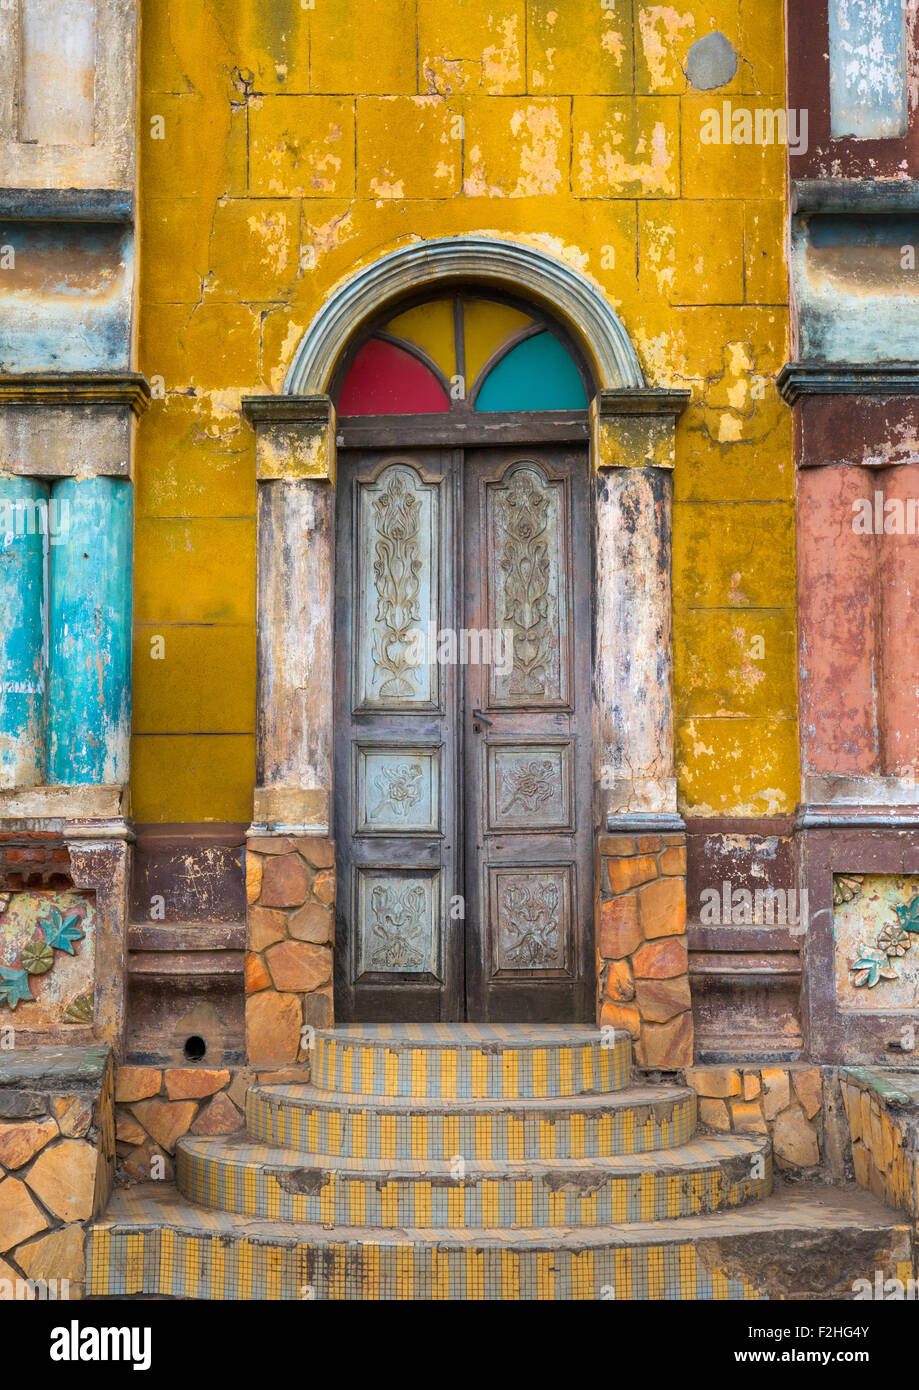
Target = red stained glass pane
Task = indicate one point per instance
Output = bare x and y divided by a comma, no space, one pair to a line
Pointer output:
385,380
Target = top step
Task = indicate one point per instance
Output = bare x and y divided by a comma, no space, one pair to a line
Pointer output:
471,1060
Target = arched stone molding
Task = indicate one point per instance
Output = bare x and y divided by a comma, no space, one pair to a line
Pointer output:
488,262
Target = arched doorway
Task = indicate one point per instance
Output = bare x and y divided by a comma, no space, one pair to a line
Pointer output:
462,810
625,526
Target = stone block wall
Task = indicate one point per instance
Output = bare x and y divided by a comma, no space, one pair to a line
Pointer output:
155,1107
57,1154
884,1129
642,963
785,1102
290,889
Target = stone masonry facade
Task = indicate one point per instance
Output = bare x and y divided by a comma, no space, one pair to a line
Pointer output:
785,1103
642,961
57,1160
883,1116
290,889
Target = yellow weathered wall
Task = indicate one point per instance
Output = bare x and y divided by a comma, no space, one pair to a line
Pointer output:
302,143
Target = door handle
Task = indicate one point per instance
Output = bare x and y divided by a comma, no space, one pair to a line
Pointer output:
479,718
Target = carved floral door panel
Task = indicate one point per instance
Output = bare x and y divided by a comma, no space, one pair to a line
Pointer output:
395,740
464,871
527,737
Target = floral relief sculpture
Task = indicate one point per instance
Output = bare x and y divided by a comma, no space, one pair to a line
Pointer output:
871,964
38,957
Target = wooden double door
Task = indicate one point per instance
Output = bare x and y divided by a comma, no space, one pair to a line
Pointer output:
463,769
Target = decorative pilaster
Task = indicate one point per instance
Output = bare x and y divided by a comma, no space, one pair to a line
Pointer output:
295,454
290,862
290,889
857,573
23,503
103,865
642,969
858,635
89,675
66,575
633,436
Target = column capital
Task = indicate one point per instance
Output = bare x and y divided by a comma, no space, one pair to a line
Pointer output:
70,424
294,436
640,401
635,428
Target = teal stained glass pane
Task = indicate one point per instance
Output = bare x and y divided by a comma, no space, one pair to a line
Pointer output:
538,374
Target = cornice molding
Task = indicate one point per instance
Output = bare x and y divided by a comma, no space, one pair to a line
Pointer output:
76,388
297,410
854,195
647,401
67,205
797,379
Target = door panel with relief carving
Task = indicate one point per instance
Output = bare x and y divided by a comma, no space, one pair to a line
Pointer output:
527,737
463,770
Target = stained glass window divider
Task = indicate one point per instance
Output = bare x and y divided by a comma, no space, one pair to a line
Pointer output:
531,331
414,351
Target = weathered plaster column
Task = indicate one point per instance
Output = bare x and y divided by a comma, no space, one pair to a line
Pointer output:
290,878
641,849
89,659
23,531
66,441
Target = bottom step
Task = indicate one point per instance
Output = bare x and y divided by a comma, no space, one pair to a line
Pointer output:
810,1242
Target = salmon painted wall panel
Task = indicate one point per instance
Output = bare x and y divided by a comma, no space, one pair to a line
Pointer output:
839,618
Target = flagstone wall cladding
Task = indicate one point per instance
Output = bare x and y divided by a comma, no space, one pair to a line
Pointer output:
155,1106
284,148
885,1139
642,961
784,1102
57,1159
290,888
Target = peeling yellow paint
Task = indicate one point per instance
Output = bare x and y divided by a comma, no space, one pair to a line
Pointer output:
302,148
501,62
539,131
661,28
603,165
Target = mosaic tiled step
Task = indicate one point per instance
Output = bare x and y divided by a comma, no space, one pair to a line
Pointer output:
231,1173
810,1241
478,1060
637,1120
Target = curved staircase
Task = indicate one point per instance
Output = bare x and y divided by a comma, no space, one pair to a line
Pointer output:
449,1161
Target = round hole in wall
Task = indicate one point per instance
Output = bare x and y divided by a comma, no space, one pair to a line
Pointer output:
194,1048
